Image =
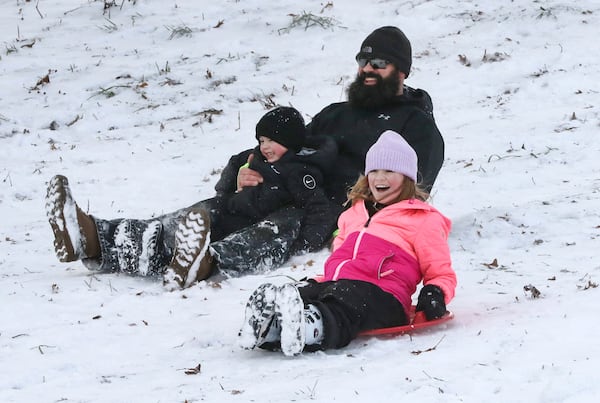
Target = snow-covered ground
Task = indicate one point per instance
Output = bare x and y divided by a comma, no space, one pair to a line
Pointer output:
140,104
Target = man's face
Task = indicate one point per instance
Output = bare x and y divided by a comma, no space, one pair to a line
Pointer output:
374,87
375,68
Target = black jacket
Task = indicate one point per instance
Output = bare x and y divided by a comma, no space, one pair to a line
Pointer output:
355,130
296,179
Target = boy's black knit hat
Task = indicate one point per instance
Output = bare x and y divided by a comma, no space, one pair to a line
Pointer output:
284,125
388,43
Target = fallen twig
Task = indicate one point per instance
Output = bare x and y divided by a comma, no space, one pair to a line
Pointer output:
417,352
38,9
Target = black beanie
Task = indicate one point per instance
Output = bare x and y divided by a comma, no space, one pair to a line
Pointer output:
388,43
284,125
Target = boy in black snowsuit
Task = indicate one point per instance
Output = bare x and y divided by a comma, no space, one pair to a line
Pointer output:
293,170
292,177
293,174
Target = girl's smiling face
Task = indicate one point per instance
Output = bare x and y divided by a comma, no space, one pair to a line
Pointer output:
270,149
386,186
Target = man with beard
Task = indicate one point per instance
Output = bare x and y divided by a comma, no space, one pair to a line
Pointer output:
378,101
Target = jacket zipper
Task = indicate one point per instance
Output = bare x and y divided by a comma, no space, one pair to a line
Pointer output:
354,253
355,250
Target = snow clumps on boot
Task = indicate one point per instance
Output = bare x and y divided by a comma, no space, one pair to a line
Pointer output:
192,261
75,235
276,318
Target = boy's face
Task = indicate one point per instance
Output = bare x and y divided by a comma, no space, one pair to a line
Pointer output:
270,149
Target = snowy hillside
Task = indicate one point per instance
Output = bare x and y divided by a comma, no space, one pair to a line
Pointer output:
141,103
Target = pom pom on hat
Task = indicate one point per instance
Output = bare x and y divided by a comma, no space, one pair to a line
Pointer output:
284,125
392,153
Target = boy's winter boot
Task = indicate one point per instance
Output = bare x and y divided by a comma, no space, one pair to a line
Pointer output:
192,261
260,322
75,235
137,246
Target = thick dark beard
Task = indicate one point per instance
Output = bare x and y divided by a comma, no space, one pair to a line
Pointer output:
373,96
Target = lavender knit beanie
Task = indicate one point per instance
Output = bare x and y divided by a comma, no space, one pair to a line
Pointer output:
392,153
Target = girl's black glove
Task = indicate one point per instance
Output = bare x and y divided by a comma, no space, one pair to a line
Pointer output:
431,302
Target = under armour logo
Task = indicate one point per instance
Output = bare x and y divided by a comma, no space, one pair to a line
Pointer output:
384,117
309,182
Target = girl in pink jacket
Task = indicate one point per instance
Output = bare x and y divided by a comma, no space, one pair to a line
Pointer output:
389,241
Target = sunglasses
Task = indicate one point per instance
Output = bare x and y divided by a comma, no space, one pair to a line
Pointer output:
375,63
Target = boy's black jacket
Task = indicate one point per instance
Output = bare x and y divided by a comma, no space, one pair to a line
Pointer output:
296,179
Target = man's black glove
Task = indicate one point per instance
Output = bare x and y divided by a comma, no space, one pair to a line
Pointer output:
431,302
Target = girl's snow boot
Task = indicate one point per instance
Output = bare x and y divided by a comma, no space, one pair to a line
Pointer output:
259,318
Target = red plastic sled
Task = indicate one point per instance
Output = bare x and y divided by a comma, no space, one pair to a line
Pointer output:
417,322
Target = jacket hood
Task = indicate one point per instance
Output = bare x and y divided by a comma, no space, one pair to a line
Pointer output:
320,151
416,97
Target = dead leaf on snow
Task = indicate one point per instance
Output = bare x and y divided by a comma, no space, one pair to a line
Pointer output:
535,293
193,371
493,265
463,60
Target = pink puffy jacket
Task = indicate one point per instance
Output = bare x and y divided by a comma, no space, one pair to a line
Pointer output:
398,247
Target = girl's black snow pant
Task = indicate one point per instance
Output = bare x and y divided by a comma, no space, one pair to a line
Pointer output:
350,307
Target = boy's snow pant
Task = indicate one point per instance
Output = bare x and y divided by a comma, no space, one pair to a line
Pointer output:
257,247
111,249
